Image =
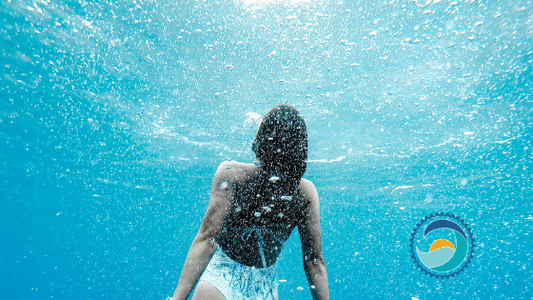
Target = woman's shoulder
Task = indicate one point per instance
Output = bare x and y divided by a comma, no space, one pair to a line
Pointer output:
308,191
237,171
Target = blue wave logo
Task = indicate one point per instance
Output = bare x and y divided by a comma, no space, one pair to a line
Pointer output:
447,256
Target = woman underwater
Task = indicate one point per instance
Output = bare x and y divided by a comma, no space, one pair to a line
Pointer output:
252,211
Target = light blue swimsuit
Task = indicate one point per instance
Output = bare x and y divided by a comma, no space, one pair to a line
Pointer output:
237,281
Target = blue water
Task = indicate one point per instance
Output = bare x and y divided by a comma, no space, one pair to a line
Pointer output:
115,115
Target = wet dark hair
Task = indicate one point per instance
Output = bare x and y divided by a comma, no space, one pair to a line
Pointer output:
281,148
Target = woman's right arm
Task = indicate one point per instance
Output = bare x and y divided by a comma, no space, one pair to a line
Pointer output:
309,229
203,245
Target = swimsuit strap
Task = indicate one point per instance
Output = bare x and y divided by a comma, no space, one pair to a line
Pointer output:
248,232
246,235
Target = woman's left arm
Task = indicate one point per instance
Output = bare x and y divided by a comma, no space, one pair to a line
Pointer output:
310,236
203,245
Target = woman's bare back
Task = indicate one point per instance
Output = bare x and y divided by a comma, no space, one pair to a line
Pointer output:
254,224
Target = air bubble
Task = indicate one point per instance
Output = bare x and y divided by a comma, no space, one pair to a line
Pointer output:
286,198
224,185
274,179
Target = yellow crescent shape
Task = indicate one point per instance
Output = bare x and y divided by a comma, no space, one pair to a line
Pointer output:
440,244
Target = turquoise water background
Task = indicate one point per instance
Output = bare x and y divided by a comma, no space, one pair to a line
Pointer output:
114,116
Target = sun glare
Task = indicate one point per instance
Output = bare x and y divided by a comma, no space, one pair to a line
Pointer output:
264,2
